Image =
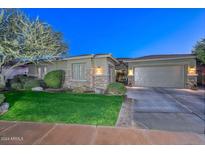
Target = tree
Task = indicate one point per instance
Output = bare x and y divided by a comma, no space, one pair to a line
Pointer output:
23,40
199,50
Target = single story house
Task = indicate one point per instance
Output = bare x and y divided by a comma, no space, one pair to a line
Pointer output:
175,70
93,71
97,71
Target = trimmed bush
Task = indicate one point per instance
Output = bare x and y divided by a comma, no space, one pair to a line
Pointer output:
23,78
16,86
54,79
17,79
116,89
2,98
14,80
31,84
22,82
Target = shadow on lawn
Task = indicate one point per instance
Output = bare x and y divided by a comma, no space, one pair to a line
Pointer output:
13,96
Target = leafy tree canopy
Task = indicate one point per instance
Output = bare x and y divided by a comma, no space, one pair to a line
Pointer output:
24,40
199,50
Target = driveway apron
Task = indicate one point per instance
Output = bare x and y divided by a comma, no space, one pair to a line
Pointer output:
167,109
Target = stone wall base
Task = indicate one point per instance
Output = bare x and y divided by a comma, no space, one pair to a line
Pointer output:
191,82
131,81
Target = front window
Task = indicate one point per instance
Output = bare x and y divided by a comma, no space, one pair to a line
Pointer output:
45,70
78,71
39,72
42,71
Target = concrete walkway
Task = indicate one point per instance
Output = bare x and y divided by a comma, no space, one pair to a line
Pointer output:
41,133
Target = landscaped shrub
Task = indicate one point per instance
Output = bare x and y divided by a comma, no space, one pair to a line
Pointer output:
14,80
23,79
55,79
116,89
42,84
81,89
17,79
31,84
16,86
2,87
2,98
22,82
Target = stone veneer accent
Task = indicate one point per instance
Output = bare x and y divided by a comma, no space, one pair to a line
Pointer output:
101,82
130,80
91,82
191,81
70,83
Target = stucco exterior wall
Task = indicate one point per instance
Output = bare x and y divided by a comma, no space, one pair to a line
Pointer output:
186,62
100,80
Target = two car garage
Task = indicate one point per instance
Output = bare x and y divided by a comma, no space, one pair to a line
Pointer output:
159,76
161,70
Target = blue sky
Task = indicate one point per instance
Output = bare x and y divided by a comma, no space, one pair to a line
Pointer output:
126,32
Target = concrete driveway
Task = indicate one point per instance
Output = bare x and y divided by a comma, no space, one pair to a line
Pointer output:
167,109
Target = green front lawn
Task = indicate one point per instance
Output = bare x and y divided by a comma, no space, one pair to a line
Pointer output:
63,107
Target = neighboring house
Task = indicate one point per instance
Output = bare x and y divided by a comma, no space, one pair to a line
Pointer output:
176,70
93,71
20,70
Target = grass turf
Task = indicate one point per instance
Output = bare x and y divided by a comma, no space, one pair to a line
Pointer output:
63,108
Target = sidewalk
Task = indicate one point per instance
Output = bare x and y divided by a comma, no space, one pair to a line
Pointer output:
44,133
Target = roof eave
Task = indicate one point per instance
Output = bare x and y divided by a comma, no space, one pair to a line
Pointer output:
107,56
154,59
78,57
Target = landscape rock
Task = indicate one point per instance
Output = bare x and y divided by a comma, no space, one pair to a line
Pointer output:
4,107
99,91
81,89
37,89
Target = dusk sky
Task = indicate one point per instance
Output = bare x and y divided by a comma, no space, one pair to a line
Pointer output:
126,32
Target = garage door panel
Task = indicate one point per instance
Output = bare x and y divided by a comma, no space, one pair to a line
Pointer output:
159,76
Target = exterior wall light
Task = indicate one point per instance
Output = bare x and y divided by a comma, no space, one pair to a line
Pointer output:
99,70
192,71
130,72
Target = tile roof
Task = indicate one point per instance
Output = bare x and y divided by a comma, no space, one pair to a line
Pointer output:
163,56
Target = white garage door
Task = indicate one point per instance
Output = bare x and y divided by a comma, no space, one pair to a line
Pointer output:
160,76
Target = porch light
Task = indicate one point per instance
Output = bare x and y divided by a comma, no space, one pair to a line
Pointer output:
99,70
192,70
130,72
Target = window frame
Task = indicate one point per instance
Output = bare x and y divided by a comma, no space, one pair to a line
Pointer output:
81,74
